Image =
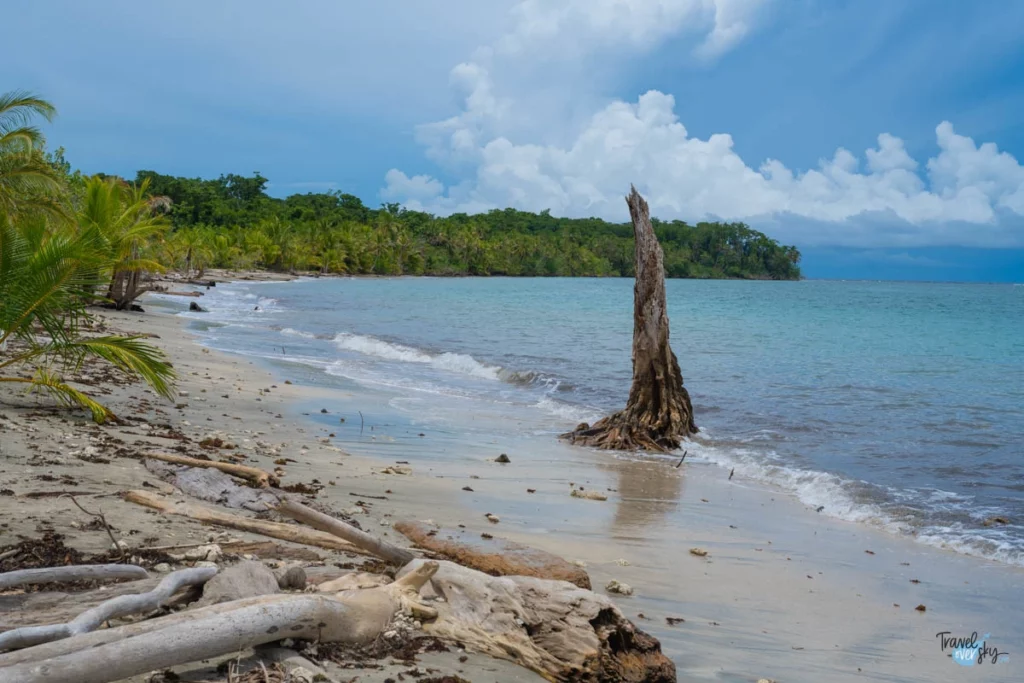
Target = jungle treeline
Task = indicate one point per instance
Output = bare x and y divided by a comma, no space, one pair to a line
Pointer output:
231,222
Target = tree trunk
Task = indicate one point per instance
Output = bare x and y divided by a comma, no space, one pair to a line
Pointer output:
658,414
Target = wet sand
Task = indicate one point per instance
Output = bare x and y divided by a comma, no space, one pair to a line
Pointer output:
784,593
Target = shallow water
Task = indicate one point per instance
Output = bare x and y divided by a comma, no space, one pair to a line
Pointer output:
893,404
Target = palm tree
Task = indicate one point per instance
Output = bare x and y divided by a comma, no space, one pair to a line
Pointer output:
43,292
49,271
124,221
195,246
26,179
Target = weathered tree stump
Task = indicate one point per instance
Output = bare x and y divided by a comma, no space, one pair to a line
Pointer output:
658,414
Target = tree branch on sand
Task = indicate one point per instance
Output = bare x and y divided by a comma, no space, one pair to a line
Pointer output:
658,414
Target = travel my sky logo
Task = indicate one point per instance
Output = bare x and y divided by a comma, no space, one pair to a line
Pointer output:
967,651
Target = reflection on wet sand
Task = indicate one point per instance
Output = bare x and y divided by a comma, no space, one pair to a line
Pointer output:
648,491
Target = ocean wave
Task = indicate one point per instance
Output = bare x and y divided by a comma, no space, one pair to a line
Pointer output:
567,411
933,517
453,362
354,372
297,333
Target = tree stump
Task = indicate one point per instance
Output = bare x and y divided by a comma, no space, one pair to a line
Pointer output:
658,414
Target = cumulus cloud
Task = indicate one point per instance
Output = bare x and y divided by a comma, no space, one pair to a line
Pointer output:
965,194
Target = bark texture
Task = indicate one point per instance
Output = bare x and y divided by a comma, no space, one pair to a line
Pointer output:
658,414
79,572
558,630
114,608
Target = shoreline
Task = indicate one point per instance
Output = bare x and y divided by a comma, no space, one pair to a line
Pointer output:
846,624
771,599
838,492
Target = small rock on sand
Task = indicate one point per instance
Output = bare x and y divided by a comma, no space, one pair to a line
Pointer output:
292,577
699,552
243,580
503,458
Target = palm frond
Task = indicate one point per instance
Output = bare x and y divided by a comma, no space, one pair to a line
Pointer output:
18,107
132,356
51,383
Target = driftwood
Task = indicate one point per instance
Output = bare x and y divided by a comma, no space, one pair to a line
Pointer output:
261,478
560,631
212,485
115,608
494,556
284,532
658,414
204,633
360,539
78,572
37,609
359,618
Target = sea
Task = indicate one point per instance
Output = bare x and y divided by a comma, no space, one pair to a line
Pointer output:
892,404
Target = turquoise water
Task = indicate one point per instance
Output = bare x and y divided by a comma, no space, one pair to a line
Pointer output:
894,404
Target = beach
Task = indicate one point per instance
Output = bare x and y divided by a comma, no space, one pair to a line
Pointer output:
783,592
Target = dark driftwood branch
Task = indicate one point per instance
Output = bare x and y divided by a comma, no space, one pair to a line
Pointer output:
261,478
78,572
658,414
360,539
115,608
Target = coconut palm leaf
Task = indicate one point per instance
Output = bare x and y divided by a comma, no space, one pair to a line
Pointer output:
132,356
26,179
52,384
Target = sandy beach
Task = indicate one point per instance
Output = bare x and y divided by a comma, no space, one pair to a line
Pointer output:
783,593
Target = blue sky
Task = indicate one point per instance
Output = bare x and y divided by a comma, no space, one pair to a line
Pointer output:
883,137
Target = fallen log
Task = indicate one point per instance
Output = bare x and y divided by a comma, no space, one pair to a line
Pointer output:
494,556
114,608
203,634
356,617
212,485
77,572
560,631
361,539
34,609
261,478
284,532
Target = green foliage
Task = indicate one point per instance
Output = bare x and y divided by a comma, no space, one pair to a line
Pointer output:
53,265
334,232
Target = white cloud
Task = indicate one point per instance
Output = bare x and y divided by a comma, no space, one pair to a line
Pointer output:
418,187
586,171
580,26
